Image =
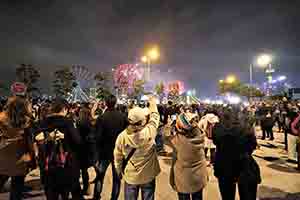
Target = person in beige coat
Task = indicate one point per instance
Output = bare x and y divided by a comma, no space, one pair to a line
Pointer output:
15,151
143,167
188,174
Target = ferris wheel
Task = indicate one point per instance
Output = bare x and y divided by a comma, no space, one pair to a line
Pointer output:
83,76
84,80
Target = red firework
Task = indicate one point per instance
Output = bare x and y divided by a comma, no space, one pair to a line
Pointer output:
126,74
176,87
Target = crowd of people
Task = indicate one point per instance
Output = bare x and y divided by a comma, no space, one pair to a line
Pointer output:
65,139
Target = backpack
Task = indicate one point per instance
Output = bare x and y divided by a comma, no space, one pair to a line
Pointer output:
56,156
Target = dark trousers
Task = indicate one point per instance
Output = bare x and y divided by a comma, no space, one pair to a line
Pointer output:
247,191
17,187
285,140
85,179
53,194
159,140
212,154
132,191
193,196
3,180
269,132
101,170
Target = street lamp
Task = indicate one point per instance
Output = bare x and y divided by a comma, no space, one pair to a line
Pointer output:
230,79
151,55
144,59
282,78
262,61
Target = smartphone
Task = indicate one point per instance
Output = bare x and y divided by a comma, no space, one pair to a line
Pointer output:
173,117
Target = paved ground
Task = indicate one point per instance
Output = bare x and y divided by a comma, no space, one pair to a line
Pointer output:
280,179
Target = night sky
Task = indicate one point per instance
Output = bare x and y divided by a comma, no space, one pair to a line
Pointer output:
200,41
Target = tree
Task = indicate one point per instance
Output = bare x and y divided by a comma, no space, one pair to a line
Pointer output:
28,75
240,89
103,80
4,89
138,89
63,82
160,89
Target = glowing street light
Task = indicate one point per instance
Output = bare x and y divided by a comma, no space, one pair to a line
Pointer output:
153,54
282,78
221,81
231,79
264,60
144,59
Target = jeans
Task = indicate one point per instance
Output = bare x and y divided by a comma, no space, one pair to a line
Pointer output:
17,187
193,196
101,170
247,191
132,191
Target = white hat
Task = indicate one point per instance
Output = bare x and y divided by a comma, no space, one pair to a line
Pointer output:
137,114
211,118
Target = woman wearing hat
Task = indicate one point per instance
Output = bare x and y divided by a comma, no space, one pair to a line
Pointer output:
188,175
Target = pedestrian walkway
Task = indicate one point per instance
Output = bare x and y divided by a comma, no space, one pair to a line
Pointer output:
280,179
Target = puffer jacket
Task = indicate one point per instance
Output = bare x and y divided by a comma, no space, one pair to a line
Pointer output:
143,166
190,173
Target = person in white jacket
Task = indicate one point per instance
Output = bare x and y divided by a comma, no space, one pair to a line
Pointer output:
143,167
206,124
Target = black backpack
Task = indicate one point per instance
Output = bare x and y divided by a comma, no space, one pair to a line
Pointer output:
56,155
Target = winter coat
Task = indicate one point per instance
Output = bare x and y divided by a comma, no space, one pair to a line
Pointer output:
87,154
267,122
11,163
108,127
63,180
190,173
235,145
143,166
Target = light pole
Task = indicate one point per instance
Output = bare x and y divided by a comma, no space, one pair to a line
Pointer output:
151,55
263,61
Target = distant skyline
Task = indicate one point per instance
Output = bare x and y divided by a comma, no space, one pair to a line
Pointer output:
201,41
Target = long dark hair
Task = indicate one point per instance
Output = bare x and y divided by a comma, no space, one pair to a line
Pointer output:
85,116
17,112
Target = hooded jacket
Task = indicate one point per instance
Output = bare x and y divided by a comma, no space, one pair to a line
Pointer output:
143,166
234,142
189,166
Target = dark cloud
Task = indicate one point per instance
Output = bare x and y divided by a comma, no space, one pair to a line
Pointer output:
201,41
